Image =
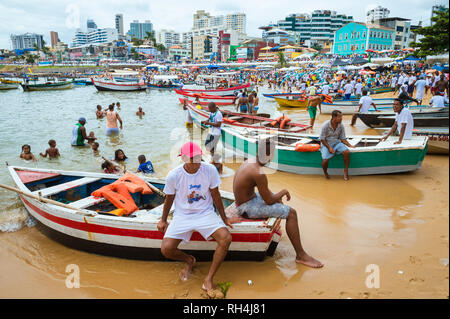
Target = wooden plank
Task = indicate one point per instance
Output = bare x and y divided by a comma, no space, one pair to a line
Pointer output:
87,201
66,186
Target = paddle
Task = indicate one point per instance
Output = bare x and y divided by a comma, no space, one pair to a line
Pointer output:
46,200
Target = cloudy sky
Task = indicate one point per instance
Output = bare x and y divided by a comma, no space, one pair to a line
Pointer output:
64,16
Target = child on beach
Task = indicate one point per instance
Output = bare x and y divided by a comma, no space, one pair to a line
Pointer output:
145,166
94,147
26,153
91,138
52,151
100,113
140,112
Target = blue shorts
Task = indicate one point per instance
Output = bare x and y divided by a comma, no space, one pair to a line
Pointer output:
338,149
243,108
257,208
112,130
347,96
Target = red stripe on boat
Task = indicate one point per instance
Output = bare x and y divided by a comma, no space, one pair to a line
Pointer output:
151,234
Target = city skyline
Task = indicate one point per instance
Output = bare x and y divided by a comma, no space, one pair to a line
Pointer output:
66,17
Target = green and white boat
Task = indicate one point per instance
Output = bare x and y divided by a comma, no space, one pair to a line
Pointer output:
49,86
369,157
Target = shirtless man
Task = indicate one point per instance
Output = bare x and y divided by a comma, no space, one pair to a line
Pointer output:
251,101
267,204
442,85
313,103
140,112
100,113
242,104
111,121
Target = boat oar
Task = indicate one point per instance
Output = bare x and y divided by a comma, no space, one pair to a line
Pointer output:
46,200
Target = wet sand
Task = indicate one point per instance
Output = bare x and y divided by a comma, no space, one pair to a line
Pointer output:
398,222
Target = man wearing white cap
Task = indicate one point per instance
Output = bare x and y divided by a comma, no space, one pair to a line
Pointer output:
194,189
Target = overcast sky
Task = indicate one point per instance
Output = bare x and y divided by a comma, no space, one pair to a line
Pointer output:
64,16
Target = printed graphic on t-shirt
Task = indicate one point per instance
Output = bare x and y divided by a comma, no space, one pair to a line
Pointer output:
194,196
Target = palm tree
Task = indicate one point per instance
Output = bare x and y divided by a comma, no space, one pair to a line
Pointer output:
281,60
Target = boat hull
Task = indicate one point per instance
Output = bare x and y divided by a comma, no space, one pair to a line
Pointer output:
43,87
421,119
8,86
221,92
115,86
283,102
128,238
362,162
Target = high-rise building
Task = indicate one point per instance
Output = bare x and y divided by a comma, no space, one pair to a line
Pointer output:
90,24
402,29
94,36
27,41
377,13
119,23
54,38
438,8
205,24
168,37
139,29
318,27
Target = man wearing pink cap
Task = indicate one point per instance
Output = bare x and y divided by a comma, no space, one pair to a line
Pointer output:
194,188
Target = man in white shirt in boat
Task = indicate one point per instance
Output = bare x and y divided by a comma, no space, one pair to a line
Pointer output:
194,189
214,136
365,102
265,204
437,100
404,123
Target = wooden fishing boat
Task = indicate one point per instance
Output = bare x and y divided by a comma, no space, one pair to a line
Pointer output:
83,82
110,84
248,121
232,91
204,99
437,138
293,102
8,86
369,157
378,90
350,107
82,221
423,117
49,86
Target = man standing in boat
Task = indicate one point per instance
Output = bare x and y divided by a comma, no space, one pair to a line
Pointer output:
214,136
266,204
194,188
334,141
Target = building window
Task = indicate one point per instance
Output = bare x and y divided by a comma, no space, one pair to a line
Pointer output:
340,48
357,35
345,47
400,29
356,48
340,37
362,46
382,35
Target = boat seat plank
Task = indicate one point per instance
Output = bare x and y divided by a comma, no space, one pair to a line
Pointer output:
66,186
235,118
87,201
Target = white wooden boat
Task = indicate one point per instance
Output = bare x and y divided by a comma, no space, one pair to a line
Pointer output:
87,226
111,84
222,92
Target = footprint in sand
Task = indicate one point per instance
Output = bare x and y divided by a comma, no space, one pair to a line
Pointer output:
416,280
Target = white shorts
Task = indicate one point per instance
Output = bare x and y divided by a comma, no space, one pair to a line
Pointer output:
183,225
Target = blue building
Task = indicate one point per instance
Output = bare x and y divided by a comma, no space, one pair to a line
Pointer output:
357,37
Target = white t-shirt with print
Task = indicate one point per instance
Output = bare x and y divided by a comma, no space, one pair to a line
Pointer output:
192,191
216,117
405,116
348,88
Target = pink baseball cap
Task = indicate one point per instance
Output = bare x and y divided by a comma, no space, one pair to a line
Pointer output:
190,149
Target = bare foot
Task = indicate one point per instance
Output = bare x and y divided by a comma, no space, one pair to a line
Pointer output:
187,271
307,260
327,176
346,178
208,285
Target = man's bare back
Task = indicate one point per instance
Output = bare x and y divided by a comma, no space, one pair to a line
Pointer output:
244,182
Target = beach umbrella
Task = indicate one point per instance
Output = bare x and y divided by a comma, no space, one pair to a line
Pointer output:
265,48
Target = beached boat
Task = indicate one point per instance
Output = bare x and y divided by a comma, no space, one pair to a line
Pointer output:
110,84
231,91
437,138
423,117
292,102
48,86
9,86
82,221
248,121
369,157
204,99
350,107
378,90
